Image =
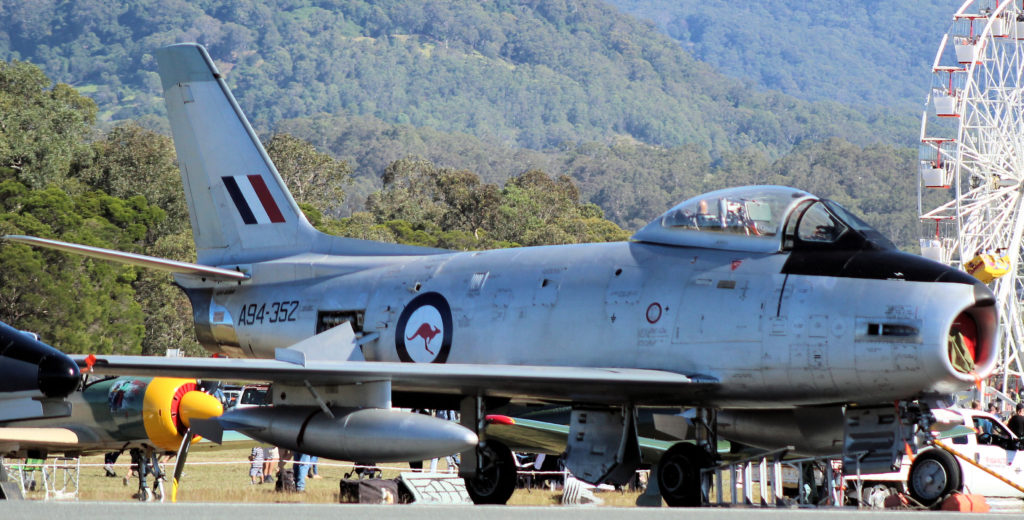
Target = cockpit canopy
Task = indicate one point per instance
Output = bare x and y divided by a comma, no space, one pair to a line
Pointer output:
762,219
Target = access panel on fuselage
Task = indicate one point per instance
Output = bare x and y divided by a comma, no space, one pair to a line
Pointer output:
721,304
638,305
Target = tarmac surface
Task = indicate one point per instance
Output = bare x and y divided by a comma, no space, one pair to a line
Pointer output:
156,511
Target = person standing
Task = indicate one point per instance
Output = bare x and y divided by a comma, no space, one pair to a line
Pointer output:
1016,423
300,468
256,468
109,459
270,456
314,467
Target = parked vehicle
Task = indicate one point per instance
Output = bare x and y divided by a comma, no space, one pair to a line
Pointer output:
934,473
254,395
231,395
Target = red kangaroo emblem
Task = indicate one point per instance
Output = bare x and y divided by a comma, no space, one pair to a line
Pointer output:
428,333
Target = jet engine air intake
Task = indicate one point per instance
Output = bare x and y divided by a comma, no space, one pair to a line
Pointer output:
972,341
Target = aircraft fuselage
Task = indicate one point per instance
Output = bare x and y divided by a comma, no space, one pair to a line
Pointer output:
769,337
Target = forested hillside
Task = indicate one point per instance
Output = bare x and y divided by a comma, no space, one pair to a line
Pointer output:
534,74
863,53
498,88
633,182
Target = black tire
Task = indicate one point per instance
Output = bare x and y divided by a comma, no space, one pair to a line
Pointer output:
934,475
495,480
679,478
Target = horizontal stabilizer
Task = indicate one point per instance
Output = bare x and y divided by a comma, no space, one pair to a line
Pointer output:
149,262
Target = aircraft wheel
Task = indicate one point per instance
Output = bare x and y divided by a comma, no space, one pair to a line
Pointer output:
679,476
496,479
934,474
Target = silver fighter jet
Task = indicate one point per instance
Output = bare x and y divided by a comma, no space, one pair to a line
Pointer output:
766,303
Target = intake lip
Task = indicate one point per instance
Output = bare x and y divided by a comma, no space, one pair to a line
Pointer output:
977,328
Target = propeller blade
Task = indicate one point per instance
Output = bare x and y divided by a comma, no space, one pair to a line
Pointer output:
179,463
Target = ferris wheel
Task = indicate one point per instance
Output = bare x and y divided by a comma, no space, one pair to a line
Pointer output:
971,160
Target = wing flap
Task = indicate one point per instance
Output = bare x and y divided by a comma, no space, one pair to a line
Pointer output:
544,383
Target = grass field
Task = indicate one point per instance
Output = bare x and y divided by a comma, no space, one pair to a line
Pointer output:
223,476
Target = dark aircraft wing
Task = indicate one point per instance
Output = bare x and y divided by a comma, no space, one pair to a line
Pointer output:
540,383
543,437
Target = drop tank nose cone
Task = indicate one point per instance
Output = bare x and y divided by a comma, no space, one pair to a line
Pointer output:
58,376
393,436
438,437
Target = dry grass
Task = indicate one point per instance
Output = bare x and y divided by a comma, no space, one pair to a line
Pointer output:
223,476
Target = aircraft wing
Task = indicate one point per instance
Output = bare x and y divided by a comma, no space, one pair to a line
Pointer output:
539,383
544,437
12,438
58,439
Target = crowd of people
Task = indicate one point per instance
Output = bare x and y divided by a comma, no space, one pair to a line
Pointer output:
267,466
263,462
1014,421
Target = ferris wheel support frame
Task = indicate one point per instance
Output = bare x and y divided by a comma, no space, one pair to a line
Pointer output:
984,93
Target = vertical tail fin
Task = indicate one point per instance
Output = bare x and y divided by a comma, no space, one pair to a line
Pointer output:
240,209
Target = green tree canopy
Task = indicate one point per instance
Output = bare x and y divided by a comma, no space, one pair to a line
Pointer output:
80,304
42,126
312,176
444,207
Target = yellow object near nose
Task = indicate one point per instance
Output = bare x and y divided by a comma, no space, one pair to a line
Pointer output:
169,406
198,405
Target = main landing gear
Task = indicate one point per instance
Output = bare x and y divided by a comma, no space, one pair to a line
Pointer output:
495,479
489,470
679,472
679,475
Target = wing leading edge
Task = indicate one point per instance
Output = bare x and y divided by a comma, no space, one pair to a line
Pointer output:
150,262
541,383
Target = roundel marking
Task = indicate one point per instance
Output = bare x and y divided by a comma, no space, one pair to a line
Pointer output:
424,331
653,313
